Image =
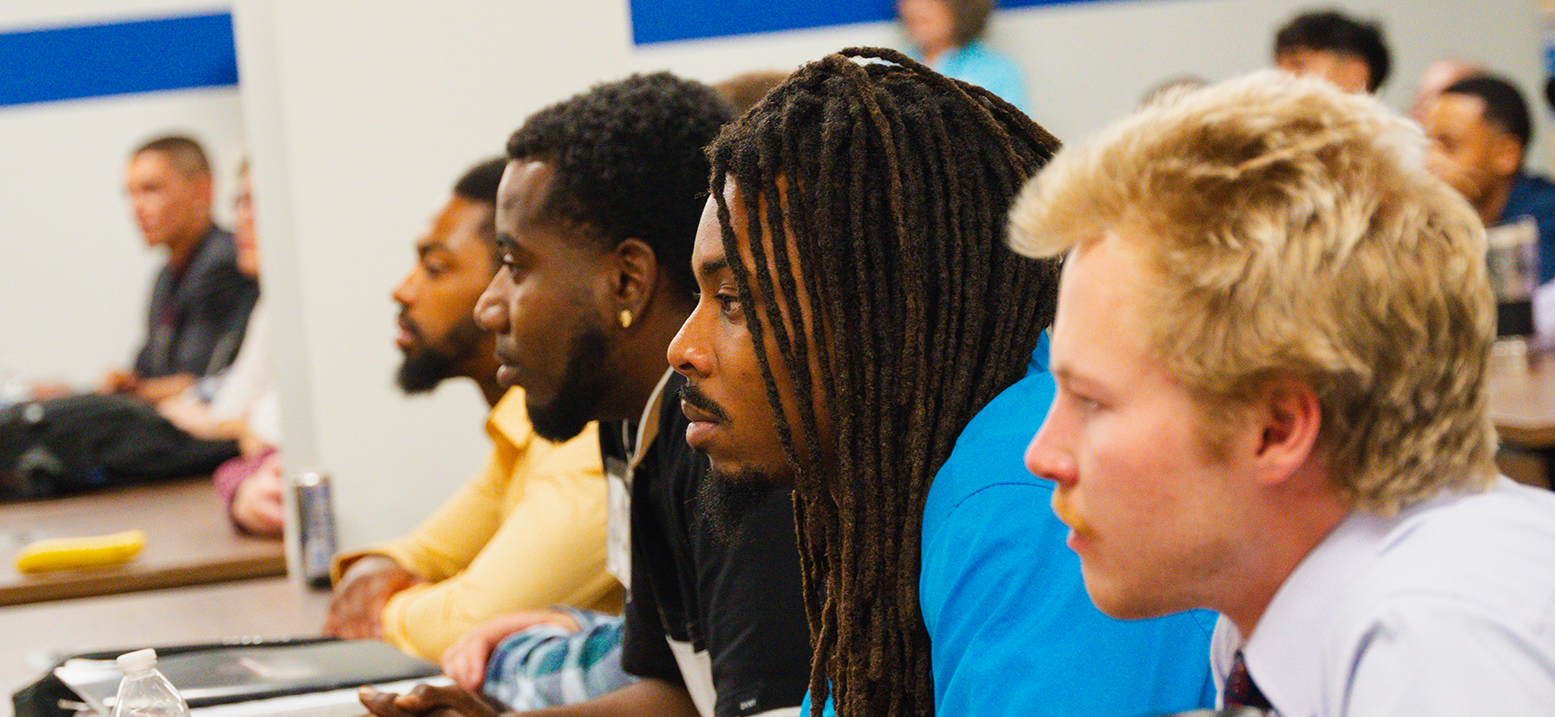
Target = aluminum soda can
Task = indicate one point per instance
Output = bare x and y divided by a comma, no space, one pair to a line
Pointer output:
315,526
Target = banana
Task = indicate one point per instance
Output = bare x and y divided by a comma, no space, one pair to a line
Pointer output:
72,553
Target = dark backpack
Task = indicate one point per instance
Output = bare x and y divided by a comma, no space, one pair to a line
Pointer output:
79,443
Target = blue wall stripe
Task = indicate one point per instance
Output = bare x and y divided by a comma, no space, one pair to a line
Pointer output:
669,20
117,58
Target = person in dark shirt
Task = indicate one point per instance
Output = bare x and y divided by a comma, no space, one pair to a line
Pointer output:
705,603
201,301
595,219
1480,129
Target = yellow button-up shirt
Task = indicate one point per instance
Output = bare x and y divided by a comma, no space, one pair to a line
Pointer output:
528,532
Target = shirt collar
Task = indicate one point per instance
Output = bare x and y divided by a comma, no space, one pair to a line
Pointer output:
1039,356
1285,652
509,419
647,424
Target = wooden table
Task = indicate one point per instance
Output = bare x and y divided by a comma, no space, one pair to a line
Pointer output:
32,636
188,542
1522,402
1522,406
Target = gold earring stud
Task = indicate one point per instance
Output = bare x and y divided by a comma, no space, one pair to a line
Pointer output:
626,318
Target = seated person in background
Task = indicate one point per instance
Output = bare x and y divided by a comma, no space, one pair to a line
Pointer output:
204,308
1331,45
223,413
597,212
1242,421
905,437
947,36
1480,129
245,405
529,530
201,301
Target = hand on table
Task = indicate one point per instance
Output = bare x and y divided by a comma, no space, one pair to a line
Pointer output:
153,390
118,381
188,413
45,390
464,662
249,443
356,609
425,700
256,505
162,388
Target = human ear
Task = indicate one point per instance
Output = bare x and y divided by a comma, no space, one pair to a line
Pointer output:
1506,154
1290,417
204,188
1353,74
634,273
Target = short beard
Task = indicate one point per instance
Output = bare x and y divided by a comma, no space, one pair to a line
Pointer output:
581,389
726,499
429,365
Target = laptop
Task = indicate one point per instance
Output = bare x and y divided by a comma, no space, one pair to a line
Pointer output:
227,674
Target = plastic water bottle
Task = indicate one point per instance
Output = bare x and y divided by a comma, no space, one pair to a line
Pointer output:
145,692
13,389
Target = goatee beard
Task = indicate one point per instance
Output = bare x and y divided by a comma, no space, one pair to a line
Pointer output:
726,500
428,365
422,371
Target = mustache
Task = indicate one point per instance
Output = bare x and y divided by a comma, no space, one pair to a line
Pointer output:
1063,508
694,396
411,328
504,354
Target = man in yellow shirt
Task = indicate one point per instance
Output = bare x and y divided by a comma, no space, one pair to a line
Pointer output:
529,531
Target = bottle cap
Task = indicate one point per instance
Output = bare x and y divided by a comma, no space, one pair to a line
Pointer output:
137,661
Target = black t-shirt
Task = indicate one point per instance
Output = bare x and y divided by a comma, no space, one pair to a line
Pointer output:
197,315
737,605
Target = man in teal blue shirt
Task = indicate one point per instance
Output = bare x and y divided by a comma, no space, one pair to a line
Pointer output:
1012,629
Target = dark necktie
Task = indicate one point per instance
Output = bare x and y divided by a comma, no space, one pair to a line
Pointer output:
1240,690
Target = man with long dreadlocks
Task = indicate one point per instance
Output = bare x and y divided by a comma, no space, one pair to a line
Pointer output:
852,262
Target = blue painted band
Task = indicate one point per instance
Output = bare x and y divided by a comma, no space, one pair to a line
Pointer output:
655,21
117,58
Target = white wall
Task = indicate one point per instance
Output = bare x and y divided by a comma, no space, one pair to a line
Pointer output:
1089,63
362,113
76,274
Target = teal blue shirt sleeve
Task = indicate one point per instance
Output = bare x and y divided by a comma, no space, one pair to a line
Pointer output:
827,711
1012,628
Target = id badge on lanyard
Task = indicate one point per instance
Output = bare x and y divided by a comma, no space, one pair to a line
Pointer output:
618,546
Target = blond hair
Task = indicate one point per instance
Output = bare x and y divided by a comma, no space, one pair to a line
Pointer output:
1291,229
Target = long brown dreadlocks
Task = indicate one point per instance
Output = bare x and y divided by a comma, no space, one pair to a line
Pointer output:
889,183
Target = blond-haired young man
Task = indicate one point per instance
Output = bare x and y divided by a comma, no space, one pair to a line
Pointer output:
1270,351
